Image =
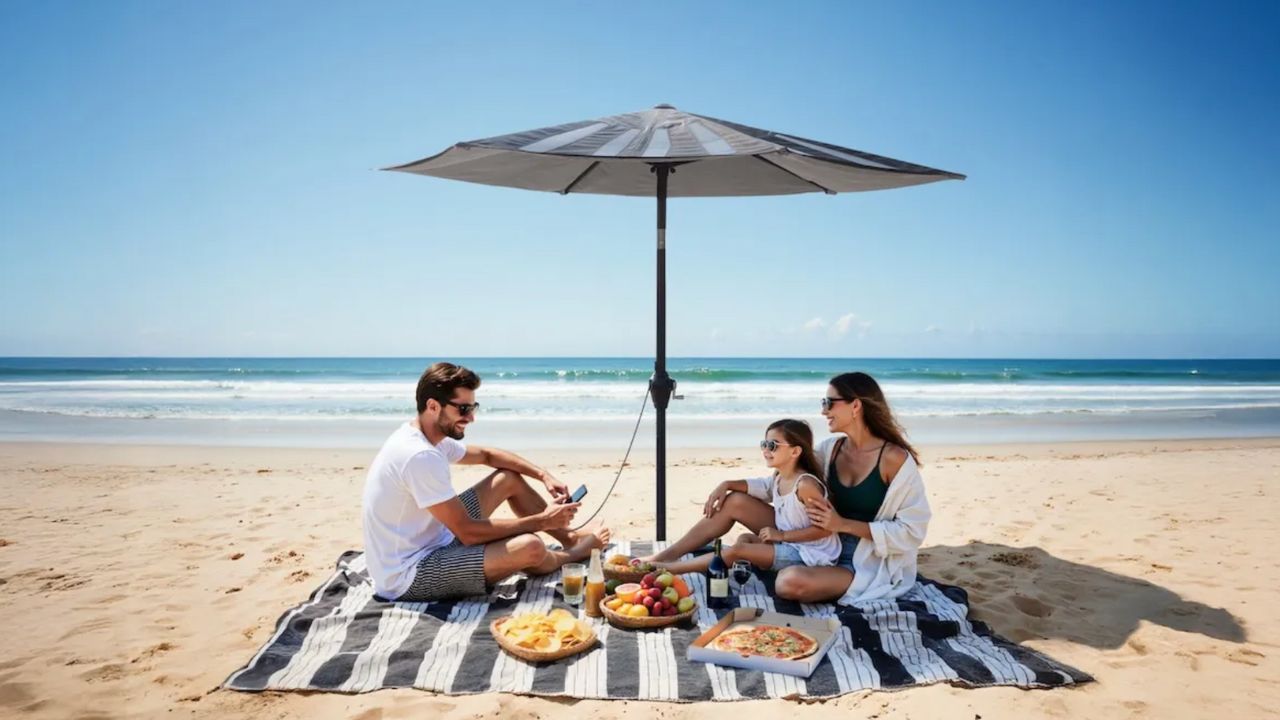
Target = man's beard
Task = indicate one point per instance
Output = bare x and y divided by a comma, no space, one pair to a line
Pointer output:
454,431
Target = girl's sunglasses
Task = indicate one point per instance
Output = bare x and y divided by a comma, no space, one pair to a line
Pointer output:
771,445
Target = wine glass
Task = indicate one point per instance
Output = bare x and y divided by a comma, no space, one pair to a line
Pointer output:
741,573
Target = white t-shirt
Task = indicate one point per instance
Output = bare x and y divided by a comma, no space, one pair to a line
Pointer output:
408,476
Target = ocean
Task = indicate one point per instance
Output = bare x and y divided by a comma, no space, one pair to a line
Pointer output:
593,402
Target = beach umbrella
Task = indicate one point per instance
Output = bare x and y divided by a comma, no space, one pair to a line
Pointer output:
663,153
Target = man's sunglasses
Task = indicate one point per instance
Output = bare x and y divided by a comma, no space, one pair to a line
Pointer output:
463,408
771,445
828,402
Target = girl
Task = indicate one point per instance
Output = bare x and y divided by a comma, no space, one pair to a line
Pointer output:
789,537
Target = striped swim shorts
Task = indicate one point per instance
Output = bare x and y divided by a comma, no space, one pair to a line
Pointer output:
453,571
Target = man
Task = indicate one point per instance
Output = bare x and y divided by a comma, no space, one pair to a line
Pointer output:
423,541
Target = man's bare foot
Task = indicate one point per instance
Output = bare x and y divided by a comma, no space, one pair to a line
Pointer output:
590,537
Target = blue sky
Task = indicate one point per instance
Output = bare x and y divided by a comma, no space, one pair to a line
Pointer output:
199,179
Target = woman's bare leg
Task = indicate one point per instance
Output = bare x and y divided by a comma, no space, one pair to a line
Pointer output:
737,507
812,584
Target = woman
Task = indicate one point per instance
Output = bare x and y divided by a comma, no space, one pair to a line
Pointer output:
877,504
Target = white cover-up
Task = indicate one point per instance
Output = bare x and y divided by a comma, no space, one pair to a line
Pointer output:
885,566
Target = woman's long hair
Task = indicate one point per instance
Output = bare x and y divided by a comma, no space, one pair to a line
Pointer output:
798,433
875,408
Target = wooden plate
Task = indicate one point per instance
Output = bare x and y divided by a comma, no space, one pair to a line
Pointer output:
531,655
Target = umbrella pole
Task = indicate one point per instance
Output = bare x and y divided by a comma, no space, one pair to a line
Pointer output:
661,386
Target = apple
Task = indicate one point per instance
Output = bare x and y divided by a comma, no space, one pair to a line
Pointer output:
659,607
685,604
672,611
647,602
655,593
671,595
665,579
649,580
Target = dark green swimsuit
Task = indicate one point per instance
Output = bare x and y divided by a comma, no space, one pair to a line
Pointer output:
860,502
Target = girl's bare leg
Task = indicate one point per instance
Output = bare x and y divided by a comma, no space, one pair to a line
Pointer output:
736,508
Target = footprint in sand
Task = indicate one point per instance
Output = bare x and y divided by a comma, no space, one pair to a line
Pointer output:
1032,606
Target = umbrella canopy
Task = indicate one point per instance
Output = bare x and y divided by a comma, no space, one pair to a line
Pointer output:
660,153
615,155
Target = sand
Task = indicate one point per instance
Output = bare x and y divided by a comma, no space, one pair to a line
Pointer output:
134,580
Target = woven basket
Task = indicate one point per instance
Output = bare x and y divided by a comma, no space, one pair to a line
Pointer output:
642,623
531,655
627,575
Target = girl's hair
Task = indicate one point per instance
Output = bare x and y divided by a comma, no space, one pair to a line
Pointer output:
875,408
798,433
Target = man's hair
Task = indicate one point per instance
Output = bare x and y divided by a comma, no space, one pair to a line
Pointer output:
440,380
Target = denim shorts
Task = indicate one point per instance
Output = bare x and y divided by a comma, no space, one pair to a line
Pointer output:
785,555
848,543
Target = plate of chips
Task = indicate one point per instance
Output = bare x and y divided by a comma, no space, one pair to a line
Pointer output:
543,637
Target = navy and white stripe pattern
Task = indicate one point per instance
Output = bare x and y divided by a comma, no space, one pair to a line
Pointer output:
612,155
345,640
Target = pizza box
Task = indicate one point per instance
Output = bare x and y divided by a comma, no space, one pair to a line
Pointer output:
824,630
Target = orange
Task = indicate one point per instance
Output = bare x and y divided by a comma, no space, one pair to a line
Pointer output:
681,587
639,611
627,592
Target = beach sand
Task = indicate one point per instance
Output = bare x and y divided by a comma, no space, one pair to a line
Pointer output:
134,580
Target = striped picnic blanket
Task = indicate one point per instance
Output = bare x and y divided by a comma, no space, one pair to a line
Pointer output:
342,639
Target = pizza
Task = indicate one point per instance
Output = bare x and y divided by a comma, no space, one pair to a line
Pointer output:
770,641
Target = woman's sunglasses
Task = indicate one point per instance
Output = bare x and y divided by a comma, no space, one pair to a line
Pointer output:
828,402
771,445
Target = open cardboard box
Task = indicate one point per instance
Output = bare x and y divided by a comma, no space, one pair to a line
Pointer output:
824,630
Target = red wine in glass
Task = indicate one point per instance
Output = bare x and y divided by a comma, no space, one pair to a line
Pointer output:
741,572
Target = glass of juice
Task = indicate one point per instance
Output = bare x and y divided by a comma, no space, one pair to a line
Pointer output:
574,577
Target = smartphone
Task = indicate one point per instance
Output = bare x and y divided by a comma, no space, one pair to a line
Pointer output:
578,494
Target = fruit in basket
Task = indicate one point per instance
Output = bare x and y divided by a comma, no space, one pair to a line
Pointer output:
618,560
613,603
638,611
671,596
681,586
611,586
686,604
664,580
627,591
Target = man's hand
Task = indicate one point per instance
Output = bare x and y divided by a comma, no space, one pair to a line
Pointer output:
559,491
771,535
559,515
